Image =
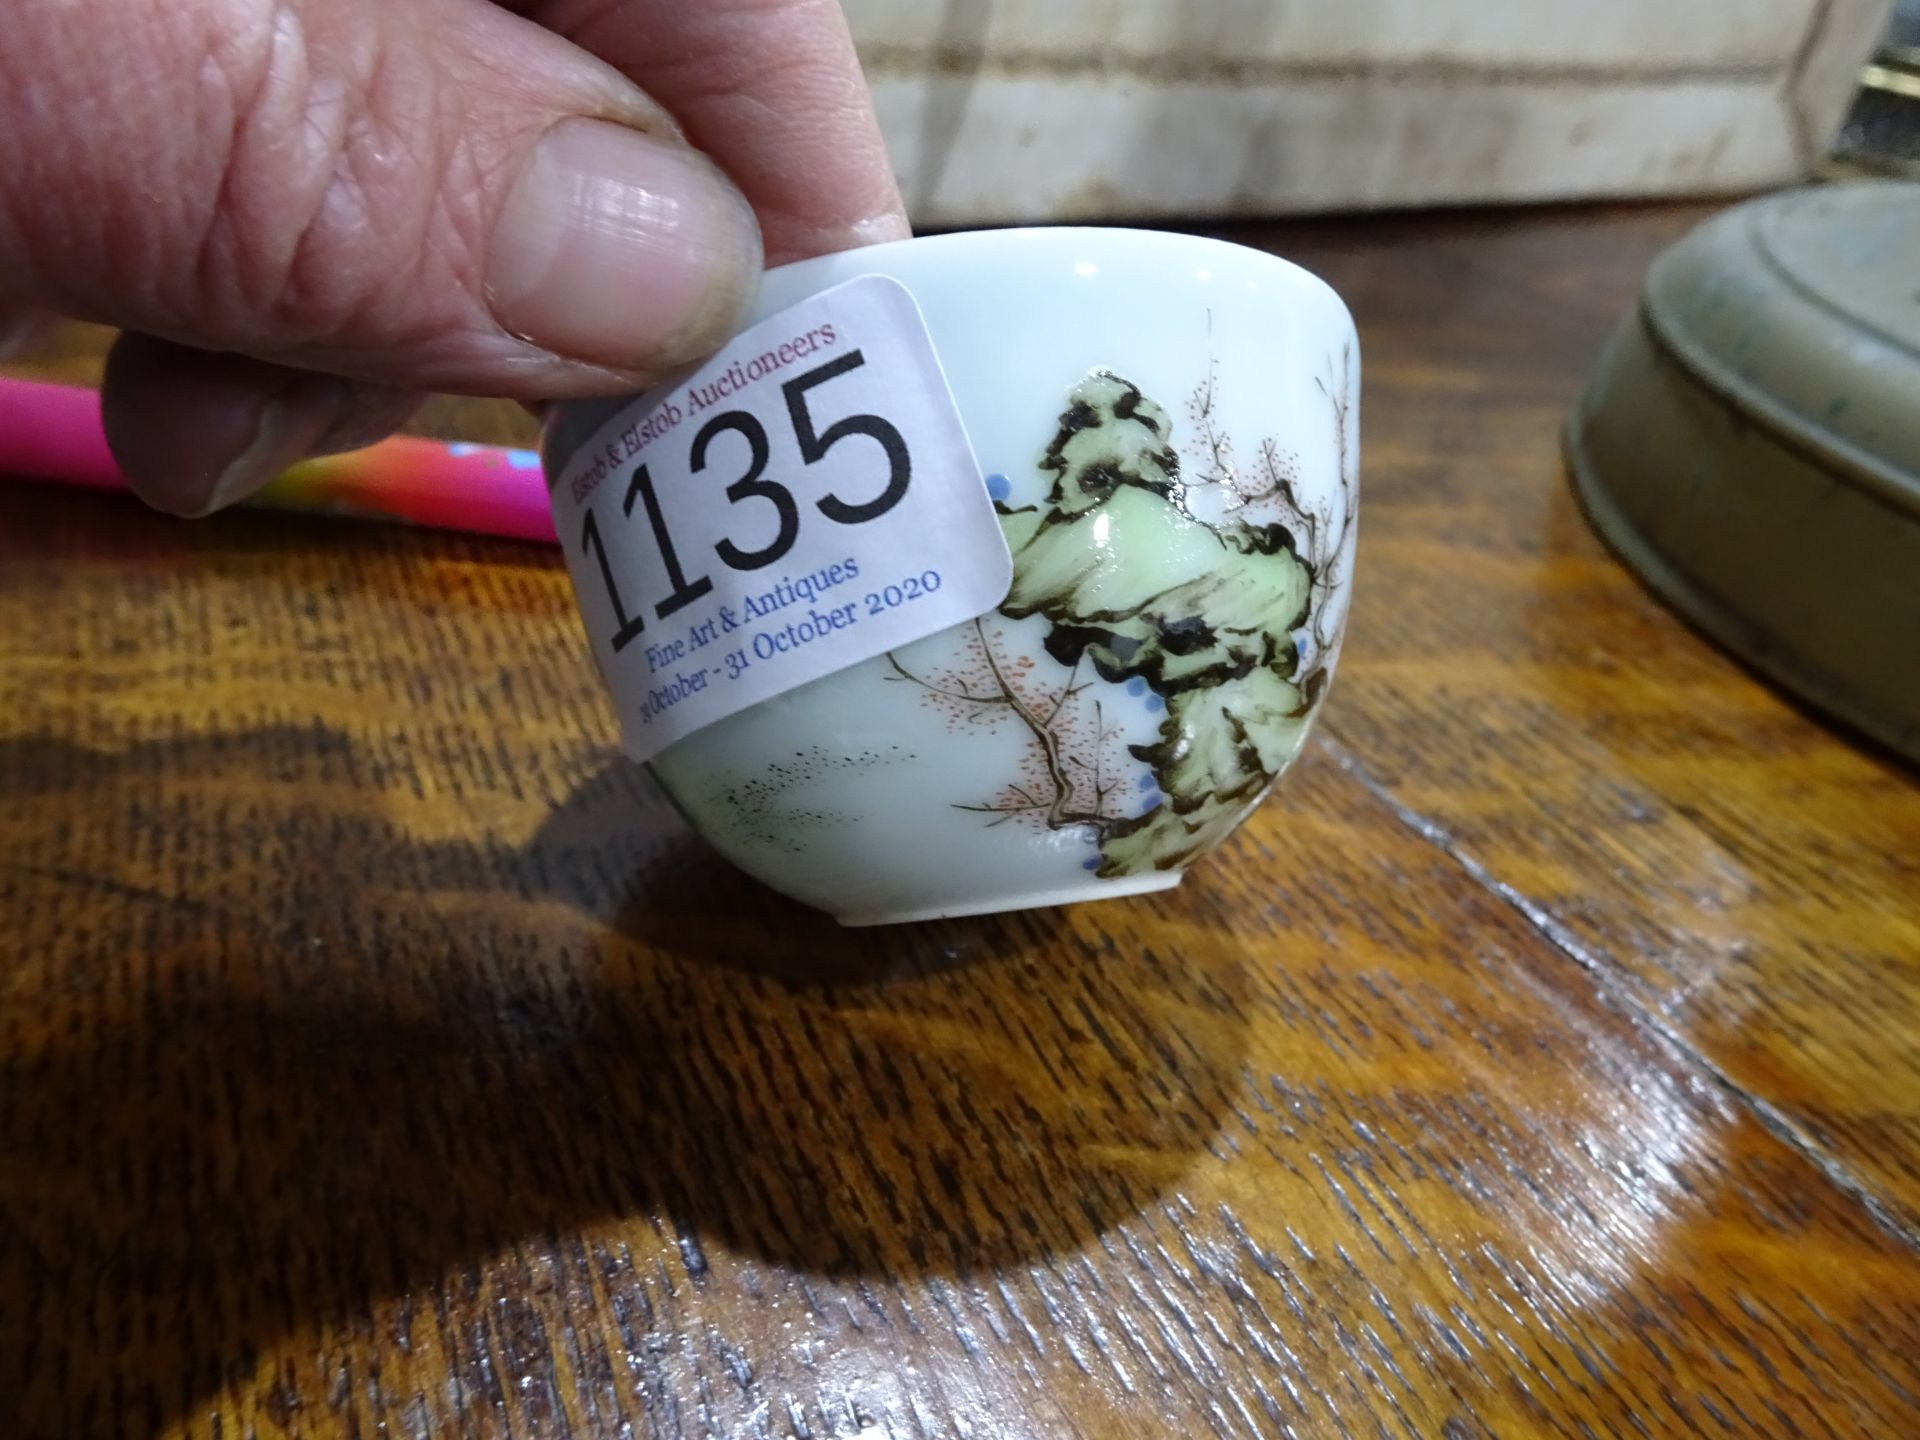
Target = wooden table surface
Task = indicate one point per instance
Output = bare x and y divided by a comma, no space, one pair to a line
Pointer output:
379,1056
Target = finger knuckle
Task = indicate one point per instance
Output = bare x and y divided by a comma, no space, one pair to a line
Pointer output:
334,203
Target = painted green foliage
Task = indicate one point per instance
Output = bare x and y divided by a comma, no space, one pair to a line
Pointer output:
1212,587
1203,611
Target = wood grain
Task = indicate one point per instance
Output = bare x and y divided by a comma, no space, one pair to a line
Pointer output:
1749,885
380,1056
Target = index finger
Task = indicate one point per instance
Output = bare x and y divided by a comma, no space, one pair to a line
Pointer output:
772,91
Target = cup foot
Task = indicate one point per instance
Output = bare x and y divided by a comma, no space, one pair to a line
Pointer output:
1028,900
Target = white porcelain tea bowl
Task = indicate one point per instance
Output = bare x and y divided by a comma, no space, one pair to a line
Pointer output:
1169,428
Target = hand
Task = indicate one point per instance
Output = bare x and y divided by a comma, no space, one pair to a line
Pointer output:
304,213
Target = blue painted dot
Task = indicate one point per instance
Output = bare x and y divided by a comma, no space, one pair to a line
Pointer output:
1151,804
1093,864
1147,782
1154,702
1136,686
999,487
461,449
523,459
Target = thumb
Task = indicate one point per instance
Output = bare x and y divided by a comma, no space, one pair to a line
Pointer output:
419,193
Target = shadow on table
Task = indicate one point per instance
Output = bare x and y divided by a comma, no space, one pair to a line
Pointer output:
274,1058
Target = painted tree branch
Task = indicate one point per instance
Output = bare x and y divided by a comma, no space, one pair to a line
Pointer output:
1058,809
1321,530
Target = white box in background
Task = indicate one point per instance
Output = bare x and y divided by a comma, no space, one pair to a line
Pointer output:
1008,110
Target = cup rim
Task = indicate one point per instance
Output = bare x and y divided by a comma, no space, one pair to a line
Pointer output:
1014,242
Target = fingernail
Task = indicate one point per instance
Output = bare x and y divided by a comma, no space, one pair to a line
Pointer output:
292,426
878,230
622,250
